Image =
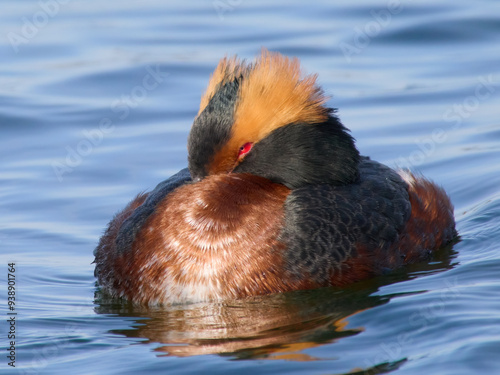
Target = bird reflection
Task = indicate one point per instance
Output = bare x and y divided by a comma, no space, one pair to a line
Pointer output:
276,326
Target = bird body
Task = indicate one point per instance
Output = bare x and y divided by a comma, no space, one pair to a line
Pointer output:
275,198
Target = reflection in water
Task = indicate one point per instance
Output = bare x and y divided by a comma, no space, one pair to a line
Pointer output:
278,326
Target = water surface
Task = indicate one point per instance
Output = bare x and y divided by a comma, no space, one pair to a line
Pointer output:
417,83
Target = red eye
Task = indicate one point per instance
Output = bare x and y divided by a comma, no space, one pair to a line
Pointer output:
245,149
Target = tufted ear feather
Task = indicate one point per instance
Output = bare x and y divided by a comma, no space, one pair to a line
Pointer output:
273,93
275,86
276,93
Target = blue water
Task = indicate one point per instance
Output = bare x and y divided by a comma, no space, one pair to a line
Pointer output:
96,101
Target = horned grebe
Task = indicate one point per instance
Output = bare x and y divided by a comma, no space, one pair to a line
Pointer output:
275,198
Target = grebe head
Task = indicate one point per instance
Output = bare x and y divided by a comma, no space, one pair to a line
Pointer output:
268,119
